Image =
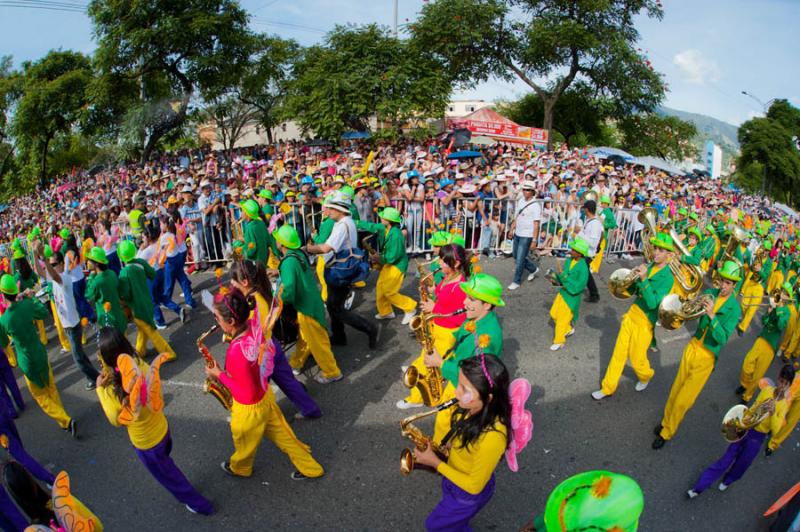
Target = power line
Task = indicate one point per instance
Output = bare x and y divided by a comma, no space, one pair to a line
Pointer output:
289,25
46,7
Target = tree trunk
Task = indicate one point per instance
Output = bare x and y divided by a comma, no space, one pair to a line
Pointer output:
270,140
549,112
159,130
43,162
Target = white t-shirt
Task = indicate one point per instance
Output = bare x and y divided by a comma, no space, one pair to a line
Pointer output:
338,238
592,232
528,212
65,301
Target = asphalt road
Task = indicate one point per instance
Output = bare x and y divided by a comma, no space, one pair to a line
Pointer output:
358,439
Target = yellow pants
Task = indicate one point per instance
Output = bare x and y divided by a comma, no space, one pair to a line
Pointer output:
11,356
49,400
272,261
787,345
145,332
251,423
562,318
443,418
755,365
313,340
598,258
42,332
696,366
387,291
442,341
633,340
62,335
704,264
792,417
321,277
775,280
752,294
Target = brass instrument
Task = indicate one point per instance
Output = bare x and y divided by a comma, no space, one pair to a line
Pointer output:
739,419
776,297
421,442
621,281
212,385
366,246
649,218
688,276
673,311
760,256
737,238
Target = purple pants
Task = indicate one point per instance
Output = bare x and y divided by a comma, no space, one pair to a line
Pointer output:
457,507
734,462
18,452
282,376
11,519
163,468
8,383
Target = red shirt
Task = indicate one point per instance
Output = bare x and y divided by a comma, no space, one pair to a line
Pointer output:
449,298
240,375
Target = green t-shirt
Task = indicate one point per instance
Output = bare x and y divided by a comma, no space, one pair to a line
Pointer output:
133,289
299,286
465,344
18,323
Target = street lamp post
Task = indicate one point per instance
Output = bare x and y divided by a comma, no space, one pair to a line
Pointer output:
764,109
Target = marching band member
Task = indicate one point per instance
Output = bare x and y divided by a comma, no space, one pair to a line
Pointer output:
792,417
16,323
254,414
438,240
636,329
790,335
130,394
250,278
741,453
782,264
103,287
480,331
711,246
753,291
300,291
394,262
609,222
722,312
134,291
256,236
448,298
572,278
758,359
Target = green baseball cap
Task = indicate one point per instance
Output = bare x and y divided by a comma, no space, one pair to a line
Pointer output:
126,250
439,239
663,241
287,236
250,208
8,285
581,246
595,500
484,287
391,214
730,271
98,255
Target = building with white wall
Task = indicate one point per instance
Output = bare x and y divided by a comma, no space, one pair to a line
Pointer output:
459,108
713,159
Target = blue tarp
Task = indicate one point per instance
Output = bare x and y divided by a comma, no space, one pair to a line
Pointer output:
604,152
352,135
468,154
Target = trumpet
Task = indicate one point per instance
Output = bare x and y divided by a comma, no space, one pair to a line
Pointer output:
421,442
212,385
776,297
740,419
673,311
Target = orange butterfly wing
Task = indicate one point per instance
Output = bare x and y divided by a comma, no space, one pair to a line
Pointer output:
70,512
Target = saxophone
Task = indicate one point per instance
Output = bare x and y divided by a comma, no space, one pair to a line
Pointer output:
421,442
212,385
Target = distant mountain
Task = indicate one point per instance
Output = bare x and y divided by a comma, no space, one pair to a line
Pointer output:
721,133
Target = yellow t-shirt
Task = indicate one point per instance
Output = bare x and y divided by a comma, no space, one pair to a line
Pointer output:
471,468
774,422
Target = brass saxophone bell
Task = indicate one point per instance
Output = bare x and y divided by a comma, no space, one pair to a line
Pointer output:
406,462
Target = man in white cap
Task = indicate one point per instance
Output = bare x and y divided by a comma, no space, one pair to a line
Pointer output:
525,227
343,236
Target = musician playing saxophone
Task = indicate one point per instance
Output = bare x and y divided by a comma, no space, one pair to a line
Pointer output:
760,356
572,277
753,288
449,297
636,329
700,356
480,331
740,454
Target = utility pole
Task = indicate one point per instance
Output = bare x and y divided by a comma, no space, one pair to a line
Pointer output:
396,35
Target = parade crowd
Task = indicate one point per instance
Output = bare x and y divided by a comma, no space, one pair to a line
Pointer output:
291,231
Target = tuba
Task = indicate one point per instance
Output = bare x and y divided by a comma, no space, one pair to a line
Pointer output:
421,442
213,386
689,276
739,419
673,311
737,238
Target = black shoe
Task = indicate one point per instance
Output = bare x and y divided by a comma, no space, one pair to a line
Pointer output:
226,466
768,452
72,428
657,430
739,390
739,331
297,475
373,338
592,299
658,443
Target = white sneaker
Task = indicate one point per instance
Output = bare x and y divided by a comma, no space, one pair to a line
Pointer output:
405,405
571,332
327,380
348,303
403,368
532,276
722,486
161,327
389,316
598,395
640,386
692,494
296,372
556,347
513,286
408,316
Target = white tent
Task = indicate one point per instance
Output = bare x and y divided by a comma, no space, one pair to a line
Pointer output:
661,164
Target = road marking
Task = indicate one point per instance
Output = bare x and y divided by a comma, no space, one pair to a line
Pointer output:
682,336
185,384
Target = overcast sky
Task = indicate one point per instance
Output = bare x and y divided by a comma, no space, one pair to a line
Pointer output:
709,50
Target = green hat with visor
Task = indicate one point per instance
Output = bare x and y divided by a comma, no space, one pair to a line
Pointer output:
287,236
485,288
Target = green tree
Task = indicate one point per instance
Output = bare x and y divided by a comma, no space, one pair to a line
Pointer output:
768,142
361,72
6,100
230,116
181,48
52,100
669,137
547,44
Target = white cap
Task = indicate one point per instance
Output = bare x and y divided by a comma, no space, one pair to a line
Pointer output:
528,185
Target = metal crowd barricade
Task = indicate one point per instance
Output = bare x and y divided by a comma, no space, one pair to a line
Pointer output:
210,244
